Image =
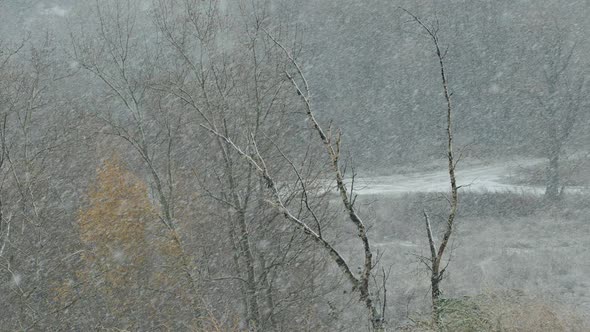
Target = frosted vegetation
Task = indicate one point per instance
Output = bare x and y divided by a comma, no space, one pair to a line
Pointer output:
274,165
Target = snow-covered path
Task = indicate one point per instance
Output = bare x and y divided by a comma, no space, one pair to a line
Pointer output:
491,177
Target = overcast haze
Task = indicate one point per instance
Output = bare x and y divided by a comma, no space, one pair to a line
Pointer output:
338,165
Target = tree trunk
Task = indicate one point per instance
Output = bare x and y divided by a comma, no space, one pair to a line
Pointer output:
253,310
553,180
266,283
435,285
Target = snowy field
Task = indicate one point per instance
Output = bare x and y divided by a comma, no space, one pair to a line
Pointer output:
541,251
478,178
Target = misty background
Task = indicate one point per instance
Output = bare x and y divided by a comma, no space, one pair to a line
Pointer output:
124,113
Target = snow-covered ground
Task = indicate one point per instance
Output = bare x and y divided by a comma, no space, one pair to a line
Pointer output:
491,177
541,253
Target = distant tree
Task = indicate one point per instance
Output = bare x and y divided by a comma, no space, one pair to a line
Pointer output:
556,88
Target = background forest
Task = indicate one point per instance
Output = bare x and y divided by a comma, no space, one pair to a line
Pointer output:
271,165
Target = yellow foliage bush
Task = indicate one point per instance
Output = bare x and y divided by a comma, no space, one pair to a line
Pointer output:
114,225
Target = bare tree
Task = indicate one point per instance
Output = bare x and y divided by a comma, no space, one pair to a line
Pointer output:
557,91
126,62
242,103
200,88
437,253
157,85
311,226
32,134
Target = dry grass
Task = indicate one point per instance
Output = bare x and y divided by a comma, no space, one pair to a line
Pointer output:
505,311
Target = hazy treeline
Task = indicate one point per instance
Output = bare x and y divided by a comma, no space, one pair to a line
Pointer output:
374,74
